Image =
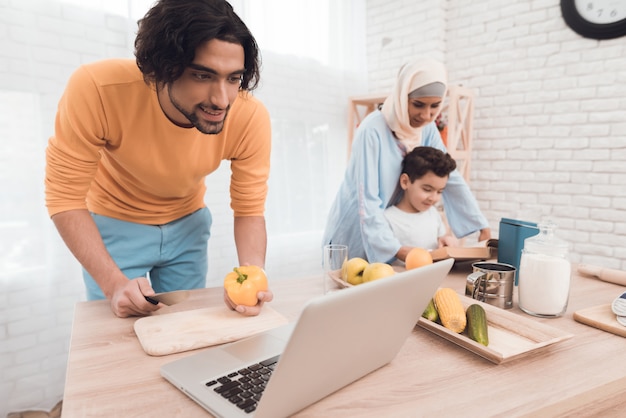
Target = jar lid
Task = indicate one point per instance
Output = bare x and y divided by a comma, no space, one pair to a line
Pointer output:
545,242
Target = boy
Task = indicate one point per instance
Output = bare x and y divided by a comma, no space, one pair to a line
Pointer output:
414,219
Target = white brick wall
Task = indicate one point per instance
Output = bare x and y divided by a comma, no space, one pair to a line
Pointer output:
398,29
550,111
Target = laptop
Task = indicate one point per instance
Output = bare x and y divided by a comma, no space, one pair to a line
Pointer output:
338,338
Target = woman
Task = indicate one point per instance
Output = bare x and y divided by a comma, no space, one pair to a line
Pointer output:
382,139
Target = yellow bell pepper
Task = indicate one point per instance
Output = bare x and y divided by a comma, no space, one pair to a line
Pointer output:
243,283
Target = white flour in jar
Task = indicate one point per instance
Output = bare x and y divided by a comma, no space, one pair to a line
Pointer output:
543,284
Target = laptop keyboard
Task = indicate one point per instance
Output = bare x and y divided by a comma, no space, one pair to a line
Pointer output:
244,387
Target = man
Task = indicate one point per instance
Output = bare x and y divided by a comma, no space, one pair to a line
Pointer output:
133,143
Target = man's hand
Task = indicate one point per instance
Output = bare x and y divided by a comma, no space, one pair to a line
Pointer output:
130,299
262,297
80,233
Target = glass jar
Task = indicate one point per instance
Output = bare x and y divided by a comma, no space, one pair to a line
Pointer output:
544,274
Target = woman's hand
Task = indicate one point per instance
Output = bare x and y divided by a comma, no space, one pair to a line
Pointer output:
484,235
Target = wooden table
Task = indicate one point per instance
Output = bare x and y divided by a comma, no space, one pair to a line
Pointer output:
109,375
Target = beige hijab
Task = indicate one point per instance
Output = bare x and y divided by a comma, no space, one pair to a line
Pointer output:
413,75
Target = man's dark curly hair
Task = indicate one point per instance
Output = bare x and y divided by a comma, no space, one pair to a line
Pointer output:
424,159
171,31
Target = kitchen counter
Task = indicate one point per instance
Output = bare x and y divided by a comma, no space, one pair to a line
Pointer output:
109,374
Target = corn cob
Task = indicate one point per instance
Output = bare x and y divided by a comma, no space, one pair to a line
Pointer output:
450,309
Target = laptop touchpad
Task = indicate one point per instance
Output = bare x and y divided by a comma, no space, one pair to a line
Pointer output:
266,344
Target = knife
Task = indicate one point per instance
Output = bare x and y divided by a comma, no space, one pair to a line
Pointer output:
168,298
605,274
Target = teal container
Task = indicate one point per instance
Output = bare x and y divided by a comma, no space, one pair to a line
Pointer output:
511,238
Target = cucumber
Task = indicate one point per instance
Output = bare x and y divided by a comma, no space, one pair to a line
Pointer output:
477,324
430,312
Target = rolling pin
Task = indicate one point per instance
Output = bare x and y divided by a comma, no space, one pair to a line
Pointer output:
605,274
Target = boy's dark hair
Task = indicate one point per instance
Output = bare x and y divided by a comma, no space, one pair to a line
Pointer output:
171,31
424,159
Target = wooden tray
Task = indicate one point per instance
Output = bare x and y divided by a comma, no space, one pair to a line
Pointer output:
511,336
176,332
601,317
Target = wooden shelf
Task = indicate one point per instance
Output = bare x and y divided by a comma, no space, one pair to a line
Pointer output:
360,107
460,111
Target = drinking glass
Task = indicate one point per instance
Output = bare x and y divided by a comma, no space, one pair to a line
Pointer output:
334,257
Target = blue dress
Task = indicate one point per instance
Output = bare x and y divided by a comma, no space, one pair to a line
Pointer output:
356,217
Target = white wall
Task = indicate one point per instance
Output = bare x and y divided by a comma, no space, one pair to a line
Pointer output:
398,30
550,111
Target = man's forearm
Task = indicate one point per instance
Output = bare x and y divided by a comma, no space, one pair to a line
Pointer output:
251,240
81,235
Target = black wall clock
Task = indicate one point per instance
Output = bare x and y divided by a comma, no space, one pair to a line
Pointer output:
596,19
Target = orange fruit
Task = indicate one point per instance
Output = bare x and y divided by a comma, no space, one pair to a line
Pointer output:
418,257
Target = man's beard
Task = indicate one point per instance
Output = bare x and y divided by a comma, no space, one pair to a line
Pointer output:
203,126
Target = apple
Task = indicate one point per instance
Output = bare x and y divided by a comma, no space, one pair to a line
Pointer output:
375,271
352,270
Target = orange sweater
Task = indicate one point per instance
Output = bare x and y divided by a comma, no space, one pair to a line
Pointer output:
116,153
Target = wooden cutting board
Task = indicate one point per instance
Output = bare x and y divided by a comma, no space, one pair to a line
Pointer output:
165,334
601,317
